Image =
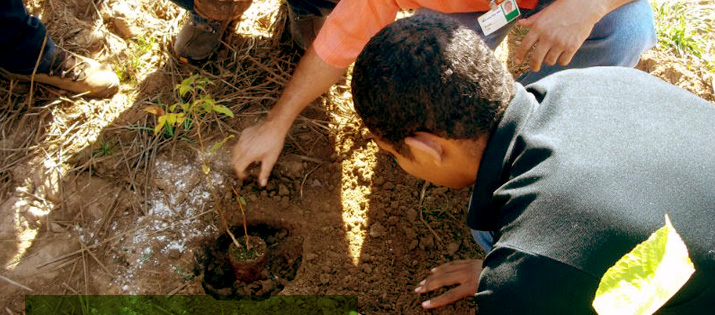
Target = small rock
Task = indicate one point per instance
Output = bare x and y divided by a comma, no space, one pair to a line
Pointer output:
377,230
267,285
366,258
252,197
316,183
174,253
393,220
292,168
366,268
224,291
283,190
123,28
379,180
324,279
409,233
56,228
411,215
388,186
277,198
310,256
427,242
452,248
413,244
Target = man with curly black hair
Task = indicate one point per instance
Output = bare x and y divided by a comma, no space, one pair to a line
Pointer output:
570,173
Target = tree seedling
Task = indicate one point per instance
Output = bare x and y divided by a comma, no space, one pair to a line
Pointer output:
194,102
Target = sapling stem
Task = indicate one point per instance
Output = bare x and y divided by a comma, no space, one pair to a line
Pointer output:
243,212
207,172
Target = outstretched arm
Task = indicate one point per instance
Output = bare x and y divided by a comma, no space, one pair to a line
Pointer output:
560,29
349,27
263,142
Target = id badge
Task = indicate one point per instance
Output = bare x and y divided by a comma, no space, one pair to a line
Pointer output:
498,16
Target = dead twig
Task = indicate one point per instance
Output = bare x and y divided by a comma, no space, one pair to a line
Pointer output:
305,178
16,283
422,217
181,287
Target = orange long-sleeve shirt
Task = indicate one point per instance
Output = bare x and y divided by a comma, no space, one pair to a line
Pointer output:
353,22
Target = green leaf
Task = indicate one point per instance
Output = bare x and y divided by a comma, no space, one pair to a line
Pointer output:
180,118
242,201
647,277
206,169
208,99
183,89
219,144
171,119
223,110
159,124
205,107
169,130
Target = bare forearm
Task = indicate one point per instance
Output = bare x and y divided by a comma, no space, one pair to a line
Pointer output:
311,78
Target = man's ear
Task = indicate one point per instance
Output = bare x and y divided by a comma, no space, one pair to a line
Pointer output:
427,144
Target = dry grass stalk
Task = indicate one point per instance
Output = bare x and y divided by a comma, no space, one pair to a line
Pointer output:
15,283
422,217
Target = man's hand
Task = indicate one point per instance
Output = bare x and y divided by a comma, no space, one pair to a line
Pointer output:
463,273
264,142
260,143
558,31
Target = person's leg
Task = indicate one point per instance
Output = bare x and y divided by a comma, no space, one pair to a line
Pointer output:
306,17
485,239
188,5
618,39
24,39
208,20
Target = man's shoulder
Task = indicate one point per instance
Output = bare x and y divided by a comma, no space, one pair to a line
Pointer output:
617,88
604,79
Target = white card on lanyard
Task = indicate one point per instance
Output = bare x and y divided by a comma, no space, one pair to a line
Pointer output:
498,16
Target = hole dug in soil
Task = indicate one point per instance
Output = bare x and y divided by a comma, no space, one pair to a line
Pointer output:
259,275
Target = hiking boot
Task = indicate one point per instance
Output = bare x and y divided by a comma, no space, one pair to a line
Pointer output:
199,38
73,73
304,27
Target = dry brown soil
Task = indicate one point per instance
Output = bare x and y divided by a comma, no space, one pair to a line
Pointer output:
92,202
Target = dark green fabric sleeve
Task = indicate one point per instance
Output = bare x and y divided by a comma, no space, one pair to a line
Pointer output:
515,282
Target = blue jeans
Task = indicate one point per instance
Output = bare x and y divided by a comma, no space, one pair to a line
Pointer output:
485,239
21,40
618,39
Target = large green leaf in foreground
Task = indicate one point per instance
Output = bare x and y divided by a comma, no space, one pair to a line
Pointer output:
647,277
